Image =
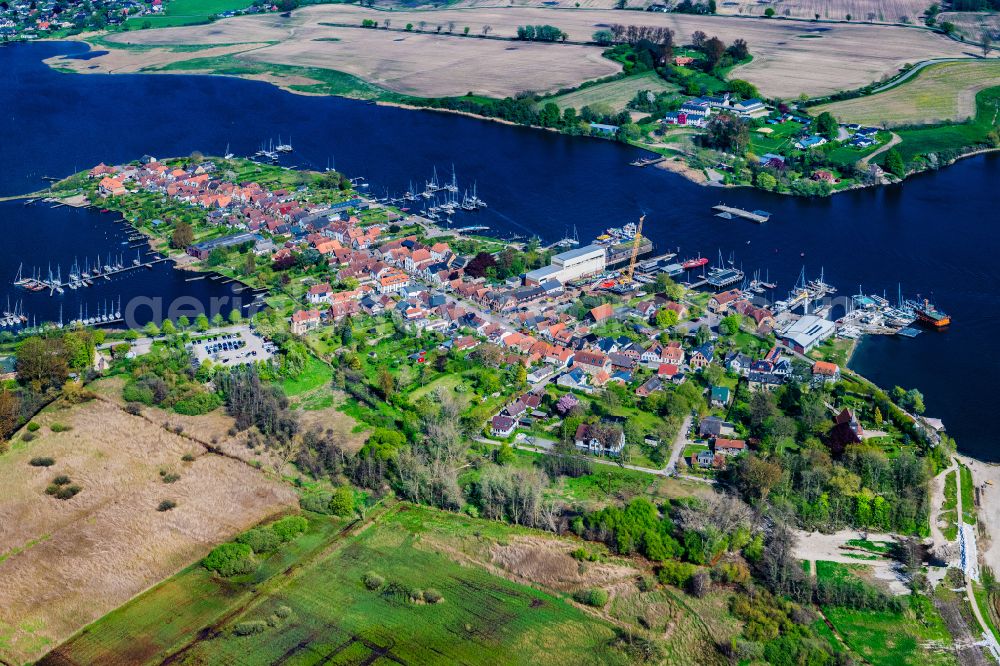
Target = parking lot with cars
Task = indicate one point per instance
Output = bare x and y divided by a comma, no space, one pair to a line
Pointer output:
231,347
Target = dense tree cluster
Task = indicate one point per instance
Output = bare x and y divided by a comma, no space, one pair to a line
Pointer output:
254,403
540,33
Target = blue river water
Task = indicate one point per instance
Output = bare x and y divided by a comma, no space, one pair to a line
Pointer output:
936,234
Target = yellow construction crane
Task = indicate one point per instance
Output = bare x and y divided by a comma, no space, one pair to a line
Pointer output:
635,251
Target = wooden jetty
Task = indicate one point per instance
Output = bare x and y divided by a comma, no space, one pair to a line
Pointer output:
729,212
647,161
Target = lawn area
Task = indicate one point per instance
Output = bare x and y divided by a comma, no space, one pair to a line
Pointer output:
322,612
615,93
879,547
445,383
949,507
314,375
327,81
780,141
968,496
187,12
888,638
923,140
938,93
987,606
834,351
171,613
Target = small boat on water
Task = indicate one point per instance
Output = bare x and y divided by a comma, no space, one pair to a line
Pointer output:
691,264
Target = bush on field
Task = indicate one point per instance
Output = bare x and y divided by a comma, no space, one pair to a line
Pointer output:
342,502
198,403
283,612
42,462
646,583
59,427
33,427
595,597
250,628
260,540
402,592
290,527
28,436
60,488
432,596
134,408
373,581
138,393
231,559
676,573
166,505
317,502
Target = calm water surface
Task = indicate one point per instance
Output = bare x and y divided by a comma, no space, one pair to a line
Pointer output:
936,234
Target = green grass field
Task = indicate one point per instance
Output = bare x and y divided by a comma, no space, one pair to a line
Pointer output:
968,496
315,374
320,612
172,613
615,93
932,96
187,12
949,507
888,638
327,81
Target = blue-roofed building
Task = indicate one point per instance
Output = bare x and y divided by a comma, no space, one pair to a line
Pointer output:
810,142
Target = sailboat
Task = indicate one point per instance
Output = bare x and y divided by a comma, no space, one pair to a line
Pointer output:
228,154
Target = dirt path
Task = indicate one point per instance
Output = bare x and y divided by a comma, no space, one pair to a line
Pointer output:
864,161
991,640
941,544
680,441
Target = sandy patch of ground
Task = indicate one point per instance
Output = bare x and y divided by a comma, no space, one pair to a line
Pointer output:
785,64
236,30
130,61
437,66
790,57
336,421
814,546
986,479
882,11
972,24
942,548
679,166
67,562
284,81
548,562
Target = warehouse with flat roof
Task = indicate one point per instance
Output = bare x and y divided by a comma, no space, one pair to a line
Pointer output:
807,332
570,265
